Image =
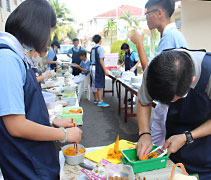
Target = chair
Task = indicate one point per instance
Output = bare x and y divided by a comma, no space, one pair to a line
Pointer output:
84,86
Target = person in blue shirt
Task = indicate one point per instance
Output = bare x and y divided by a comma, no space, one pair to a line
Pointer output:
75,55
84,66
27,149
158,16
131,59
98,71
33,59
52,58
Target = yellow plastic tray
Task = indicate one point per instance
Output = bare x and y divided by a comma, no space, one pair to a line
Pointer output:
99,154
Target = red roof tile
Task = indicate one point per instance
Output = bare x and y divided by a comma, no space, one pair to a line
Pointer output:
134,11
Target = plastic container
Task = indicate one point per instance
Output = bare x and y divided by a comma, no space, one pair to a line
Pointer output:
73,160
69,101
136,79
78,118
121,170
49,98
130,157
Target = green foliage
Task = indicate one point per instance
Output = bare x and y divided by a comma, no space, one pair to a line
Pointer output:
131,22
71,33
63,28
116,48
110,29
60,10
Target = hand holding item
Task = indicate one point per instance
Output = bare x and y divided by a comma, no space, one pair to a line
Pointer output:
47,74
66,123
52,73
106,73
136,37
76,65
144,145
133,69
74,134
174,143
57,62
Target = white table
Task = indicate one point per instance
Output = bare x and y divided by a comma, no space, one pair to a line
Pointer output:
74,172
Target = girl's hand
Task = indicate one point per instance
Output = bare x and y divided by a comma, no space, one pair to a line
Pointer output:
66,123
74,134
133,69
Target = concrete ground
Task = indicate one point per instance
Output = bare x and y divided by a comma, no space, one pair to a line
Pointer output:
101,126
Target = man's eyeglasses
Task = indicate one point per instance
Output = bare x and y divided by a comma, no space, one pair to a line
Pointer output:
149,12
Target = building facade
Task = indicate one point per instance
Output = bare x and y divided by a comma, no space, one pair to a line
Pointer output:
6,7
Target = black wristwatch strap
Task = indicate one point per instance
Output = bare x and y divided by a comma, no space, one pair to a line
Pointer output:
189,138
144,134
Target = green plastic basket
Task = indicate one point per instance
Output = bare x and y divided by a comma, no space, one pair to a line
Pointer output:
130,157
78,118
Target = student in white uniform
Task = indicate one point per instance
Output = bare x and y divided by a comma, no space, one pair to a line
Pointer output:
158,16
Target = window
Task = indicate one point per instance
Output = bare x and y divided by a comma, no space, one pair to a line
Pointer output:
8,5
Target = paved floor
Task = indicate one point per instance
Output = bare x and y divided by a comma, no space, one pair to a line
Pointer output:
102,125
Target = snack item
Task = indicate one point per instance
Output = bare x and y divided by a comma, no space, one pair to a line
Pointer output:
151,155
118,178
71,151
79,111
115,153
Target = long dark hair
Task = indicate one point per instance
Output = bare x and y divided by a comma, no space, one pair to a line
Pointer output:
125,46
31,23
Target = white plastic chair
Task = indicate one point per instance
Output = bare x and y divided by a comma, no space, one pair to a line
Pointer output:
87,86
84,86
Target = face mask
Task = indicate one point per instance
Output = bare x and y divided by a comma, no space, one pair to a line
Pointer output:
36,60
27,48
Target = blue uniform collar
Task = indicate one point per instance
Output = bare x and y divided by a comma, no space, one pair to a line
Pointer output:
13,43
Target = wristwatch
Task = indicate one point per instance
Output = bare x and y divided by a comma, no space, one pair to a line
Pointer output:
189,138
66,135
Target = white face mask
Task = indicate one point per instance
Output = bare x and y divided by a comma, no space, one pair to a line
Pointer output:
36,60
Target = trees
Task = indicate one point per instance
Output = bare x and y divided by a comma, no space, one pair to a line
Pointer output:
131,22
110,29
63,28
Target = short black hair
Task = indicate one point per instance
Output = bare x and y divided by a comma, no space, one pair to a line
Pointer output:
55,43
96,38
82,53
31,23
167,5
125,46
169,74
75,39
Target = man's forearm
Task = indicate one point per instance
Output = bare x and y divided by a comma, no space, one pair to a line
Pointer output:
19,126
202,131
51,62
143,117
142,55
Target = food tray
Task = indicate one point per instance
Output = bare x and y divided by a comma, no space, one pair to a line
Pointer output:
130,157
78,118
